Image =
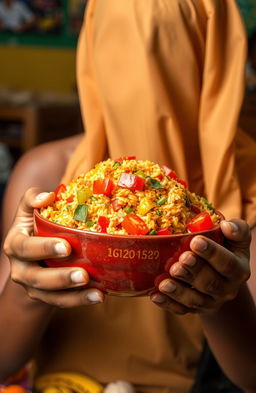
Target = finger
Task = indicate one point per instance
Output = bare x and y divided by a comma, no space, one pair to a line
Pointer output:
48,279
34,198
237,234
168,304
67,299
36,248
196,272
221,259
186,296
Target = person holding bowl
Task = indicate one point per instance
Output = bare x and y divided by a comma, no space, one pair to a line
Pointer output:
162,81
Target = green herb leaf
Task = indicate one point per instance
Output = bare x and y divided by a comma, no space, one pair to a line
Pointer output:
116,165
187,201
89,223
158,213
81,213
93,198
153,232
208,204
154,183
161,201
129,210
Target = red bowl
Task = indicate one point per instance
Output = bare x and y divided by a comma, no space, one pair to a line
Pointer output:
120,265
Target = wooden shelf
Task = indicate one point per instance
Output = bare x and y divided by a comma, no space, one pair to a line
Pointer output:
40,122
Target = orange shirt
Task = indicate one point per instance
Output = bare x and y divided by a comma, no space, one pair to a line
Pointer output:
162,80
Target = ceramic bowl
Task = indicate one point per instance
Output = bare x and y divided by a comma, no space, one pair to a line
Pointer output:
120,265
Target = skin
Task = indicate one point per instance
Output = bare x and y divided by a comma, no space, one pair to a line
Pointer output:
216,275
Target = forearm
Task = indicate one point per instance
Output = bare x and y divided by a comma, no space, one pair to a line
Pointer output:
22,325
231,335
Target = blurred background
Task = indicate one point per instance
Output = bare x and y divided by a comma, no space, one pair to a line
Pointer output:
38,98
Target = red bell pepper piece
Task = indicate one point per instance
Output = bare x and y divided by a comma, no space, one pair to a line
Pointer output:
59,190
169,172
121,159
183,182
70,199
164,231
134,225
105,186
103,223
133,182
201,222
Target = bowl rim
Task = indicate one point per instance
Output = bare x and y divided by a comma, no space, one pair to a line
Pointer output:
137,237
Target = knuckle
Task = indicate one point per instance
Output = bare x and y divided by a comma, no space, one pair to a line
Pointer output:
48,247
229,266
16,274
15,278
33,295
60,303
246,274
34,282
197,303
7,247
213,286
179,310
232,294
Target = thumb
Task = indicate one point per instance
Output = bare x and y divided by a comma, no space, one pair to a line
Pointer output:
237,234
34,198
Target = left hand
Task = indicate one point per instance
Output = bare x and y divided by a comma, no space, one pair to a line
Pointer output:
210,274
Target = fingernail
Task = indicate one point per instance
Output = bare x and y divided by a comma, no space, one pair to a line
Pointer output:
233,226
168,286
42,196
94,297
60,249
200,244
77,277
182,273
188,259
160,299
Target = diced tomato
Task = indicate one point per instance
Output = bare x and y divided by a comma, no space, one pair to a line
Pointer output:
70,199
164,231
201,222
105,186
59,190
117,205
132,182
183,182
134,225
103,223
169,172
160,176
121,159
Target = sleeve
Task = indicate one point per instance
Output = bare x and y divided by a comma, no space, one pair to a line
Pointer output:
221,99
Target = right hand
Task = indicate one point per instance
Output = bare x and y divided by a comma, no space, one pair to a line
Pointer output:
48,285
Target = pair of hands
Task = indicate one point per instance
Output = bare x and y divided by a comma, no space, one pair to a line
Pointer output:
201,281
